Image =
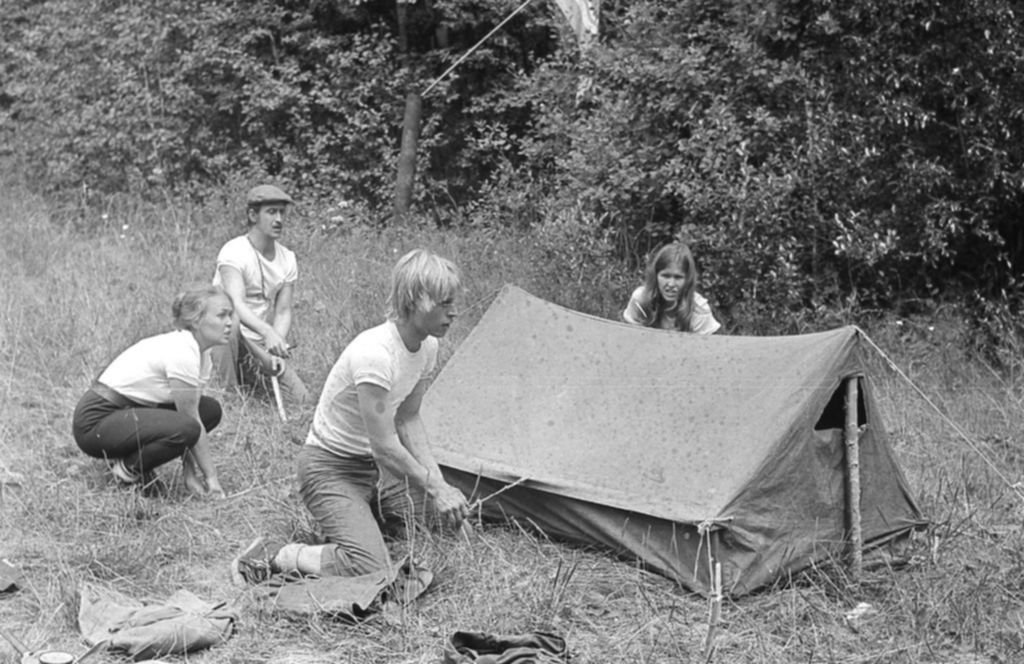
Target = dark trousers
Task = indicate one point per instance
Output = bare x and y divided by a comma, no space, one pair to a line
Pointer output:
144,436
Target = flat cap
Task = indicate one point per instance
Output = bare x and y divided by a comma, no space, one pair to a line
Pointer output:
266,193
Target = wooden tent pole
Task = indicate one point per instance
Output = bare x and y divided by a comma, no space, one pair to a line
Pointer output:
407,156
852,436
714,596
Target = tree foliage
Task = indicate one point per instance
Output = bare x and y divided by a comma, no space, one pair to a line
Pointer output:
817,154
125,96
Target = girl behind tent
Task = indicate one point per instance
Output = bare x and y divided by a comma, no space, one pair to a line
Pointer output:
668,298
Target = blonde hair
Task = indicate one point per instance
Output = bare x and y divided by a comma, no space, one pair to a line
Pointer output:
190,305
420,279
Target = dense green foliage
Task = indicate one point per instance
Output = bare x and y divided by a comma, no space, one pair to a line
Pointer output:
819,156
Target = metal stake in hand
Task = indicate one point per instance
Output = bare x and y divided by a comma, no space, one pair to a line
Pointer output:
277,390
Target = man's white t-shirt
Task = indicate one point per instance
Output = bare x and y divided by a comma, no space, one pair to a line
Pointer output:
263,279
377,356
144,370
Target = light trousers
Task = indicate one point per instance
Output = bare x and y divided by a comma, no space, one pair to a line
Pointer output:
235,365
355,504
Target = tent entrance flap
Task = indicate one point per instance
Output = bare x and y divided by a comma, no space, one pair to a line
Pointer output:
655,432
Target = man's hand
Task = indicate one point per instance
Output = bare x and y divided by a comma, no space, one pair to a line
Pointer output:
269,364
451,505
275,366
275,344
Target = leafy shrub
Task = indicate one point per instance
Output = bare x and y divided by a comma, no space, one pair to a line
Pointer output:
122,97
819,156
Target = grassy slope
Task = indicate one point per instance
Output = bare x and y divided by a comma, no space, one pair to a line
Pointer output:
70,301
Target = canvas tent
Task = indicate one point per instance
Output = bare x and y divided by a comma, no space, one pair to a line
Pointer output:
669,448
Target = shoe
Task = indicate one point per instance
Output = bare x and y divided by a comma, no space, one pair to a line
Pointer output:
255,563
410,582
124,474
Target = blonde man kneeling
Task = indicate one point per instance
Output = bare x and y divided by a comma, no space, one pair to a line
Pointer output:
367,462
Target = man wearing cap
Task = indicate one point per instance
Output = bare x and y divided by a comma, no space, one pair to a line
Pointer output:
259,275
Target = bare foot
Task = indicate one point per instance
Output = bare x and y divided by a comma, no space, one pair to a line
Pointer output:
194,482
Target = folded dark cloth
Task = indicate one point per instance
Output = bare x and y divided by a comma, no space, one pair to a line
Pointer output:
481,648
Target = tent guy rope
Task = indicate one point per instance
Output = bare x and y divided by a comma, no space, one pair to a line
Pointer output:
473,49
480,501
1014,486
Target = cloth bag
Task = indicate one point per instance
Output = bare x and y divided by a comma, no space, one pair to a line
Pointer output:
481,648
181,624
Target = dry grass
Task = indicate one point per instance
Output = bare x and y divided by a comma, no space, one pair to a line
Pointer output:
72,300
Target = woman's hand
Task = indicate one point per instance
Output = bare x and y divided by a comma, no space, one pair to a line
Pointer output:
192,478
215,490
198,483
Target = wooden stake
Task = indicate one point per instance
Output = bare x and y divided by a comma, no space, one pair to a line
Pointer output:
14,641
714,612
407,156
277,397
852,435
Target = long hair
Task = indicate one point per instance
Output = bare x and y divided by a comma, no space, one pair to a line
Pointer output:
420,279
190,305
652,304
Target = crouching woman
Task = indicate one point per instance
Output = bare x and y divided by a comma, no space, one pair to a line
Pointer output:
147,407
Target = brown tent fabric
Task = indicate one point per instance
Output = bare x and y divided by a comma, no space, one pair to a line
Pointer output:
647,441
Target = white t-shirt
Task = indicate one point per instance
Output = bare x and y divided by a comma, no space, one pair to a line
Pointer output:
377,356
263,279
702,321
144,370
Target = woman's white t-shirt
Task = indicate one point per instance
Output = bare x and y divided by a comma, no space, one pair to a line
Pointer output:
144,370
702,321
